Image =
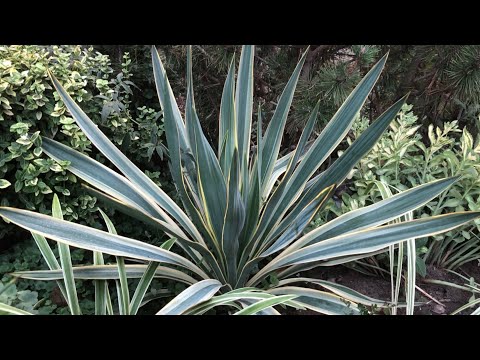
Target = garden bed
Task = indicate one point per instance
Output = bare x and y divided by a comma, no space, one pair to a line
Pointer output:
450,298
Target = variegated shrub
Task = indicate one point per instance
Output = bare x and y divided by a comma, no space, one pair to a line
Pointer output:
240,232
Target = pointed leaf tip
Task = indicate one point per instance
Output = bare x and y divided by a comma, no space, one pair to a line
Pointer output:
382,60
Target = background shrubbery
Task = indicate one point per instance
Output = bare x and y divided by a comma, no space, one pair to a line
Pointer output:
30,107
444,80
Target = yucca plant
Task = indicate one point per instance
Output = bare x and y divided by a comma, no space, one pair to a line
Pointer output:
241,229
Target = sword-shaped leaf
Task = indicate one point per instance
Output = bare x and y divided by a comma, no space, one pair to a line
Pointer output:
234,219
273,135
122,282
300,223
227,123
146,280
326,143
339,170
211,183
339,290
103,178
66,264
243,107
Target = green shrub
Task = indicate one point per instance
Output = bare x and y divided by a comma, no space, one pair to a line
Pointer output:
29,107
22,299
401,160
24,256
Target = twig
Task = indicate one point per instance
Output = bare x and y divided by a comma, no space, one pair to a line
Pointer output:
428,295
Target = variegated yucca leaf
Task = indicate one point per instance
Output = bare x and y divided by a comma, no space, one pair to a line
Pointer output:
245,213
234,299
195,294
261,305
11,310
66,264
106,272
92,239
319,301
338,289
366,241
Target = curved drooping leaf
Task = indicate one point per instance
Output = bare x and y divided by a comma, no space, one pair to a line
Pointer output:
10,310
95,240
106,272
468,305
365,241
193,295
295,269
265,304
266,311
369,216
230,299
195,250
339,290
319,301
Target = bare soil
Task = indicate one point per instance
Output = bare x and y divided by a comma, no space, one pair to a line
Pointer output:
448,299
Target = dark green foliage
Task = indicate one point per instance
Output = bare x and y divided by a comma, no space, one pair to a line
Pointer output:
331,81
26,256
444,81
